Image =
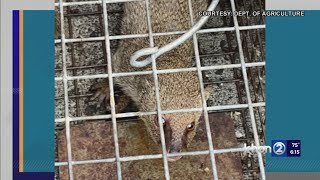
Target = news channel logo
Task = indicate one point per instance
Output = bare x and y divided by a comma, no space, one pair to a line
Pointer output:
286,148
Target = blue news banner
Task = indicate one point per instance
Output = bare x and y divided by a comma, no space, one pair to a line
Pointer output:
293,93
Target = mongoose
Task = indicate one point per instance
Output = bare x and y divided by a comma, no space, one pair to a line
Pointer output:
177,90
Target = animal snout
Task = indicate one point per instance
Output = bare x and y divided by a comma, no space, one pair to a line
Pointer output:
175,148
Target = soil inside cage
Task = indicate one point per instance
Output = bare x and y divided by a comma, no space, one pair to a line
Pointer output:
93,140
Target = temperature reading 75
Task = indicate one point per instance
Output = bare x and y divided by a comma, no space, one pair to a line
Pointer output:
295,144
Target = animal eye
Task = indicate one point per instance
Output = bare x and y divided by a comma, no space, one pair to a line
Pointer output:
190,126
162,121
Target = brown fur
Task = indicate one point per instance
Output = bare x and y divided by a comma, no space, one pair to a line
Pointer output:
177,90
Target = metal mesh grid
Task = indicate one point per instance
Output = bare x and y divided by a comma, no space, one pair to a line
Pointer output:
246,69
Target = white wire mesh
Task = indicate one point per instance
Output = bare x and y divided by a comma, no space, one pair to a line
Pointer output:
65,88
156,84
204,103
113,116
246,82
112,101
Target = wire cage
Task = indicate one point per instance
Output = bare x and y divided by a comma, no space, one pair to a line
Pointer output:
229,54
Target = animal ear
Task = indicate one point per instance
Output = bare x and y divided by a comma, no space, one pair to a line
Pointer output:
207,91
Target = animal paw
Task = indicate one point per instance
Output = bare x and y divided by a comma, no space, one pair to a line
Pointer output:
102,92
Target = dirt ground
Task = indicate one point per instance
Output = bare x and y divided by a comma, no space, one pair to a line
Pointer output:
94,140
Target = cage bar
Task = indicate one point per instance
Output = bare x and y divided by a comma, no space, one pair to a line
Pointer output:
65,88
162,71
156,84
245,77
111,89
157,156
118,37
204,103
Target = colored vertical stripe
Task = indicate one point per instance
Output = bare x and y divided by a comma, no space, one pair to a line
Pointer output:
21,91
15,99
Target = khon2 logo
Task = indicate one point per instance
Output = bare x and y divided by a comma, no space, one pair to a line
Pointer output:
286,148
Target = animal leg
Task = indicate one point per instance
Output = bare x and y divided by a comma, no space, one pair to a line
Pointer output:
103,93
